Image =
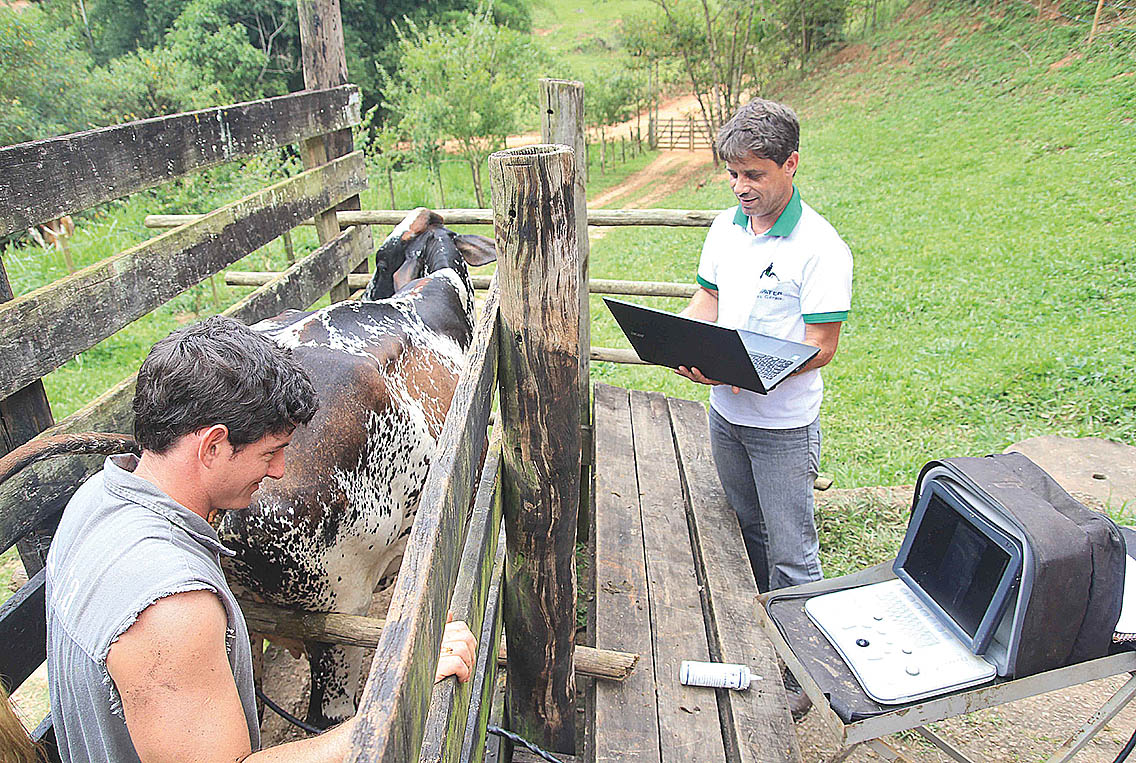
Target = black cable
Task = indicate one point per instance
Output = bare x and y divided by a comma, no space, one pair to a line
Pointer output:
286,715
1123,756
523,742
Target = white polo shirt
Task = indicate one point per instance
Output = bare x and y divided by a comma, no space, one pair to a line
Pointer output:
797,272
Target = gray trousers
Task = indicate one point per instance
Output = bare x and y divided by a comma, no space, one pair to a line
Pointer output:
768,477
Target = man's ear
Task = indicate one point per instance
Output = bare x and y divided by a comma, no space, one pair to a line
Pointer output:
212,444
791,164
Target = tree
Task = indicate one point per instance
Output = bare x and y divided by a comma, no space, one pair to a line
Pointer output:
722,48
467,83
382,147
610,95
43,74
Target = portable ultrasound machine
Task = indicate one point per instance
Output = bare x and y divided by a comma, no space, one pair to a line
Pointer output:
952,616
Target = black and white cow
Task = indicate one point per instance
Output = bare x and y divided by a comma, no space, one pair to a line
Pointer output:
385,369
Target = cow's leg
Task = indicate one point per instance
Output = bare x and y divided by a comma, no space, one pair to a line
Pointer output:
336,673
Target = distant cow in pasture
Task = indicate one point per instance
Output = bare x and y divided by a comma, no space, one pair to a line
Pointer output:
384,369
53,233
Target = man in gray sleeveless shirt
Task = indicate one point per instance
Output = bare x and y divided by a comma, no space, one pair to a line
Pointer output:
148,653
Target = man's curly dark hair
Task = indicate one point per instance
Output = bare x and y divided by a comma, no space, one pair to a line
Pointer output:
219,371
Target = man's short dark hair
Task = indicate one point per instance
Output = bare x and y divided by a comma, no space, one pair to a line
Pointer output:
219,371
766,129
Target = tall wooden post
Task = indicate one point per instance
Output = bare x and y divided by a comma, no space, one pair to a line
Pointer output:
324,58
562,121
538,268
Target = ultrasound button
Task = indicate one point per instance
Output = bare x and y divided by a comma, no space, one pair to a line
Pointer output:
912,670
862,642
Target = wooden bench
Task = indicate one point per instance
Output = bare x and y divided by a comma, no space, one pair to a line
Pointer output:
673,583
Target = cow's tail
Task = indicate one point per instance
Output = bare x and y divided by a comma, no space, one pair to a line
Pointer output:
83,443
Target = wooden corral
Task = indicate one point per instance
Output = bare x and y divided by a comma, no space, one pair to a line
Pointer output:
42,330
531,350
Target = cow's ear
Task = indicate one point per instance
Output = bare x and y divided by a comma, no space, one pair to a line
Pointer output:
416,222
476,250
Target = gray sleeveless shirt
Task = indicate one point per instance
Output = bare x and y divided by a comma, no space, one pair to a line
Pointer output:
122,545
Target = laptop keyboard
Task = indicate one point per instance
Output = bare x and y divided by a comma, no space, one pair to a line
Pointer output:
768,366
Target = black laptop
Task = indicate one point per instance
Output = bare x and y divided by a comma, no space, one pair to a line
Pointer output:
742,358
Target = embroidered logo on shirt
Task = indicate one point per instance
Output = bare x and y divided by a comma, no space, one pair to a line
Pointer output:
768,272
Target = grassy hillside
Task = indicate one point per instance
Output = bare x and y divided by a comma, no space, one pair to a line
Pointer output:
981,165
582,33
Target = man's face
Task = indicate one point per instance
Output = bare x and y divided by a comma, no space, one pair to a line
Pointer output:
241,472
762,186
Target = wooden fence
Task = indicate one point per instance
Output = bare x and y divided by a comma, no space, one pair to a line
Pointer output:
42,330
681,135
531,342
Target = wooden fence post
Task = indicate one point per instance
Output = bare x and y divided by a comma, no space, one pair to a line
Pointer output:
23,416
534,220
562,121
325,65
1096,21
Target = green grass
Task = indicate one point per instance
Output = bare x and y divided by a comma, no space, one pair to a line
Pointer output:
583,35
988,195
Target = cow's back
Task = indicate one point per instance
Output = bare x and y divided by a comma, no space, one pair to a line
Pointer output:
320,537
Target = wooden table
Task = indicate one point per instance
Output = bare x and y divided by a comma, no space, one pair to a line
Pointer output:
673,583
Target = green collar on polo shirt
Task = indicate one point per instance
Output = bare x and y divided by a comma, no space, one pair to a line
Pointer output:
786,221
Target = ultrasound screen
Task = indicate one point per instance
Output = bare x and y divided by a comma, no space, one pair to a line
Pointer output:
955,564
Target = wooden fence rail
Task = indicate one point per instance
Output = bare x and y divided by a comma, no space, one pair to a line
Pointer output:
677,218
43,179
42,330
595,285
392,715
364,631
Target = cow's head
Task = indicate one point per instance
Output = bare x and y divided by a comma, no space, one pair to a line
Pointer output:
419,246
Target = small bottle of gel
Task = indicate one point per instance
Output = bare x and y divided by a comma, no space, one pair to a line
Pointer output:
720,675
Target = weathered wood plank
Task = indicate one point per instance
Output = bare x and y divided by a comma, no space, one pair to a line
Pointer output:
537,268
757,721
42,490
23,631
42,330
595,285
44,179
396,698
689,728
683,218
562,121
23,415
449,706
626,721
485,676
323,57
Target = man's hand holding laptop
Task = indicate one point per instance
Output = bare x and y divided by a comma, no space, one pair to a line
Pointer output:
696,376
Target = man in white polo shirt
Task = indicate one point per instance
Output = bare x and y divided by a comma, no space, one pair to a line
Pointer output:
775,266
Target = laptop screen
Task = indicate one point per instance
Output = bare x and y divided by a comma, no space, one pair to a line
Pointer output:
957,562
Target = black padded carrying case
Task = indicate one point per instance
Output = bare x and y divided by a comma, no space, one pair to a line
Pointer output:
1078,559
